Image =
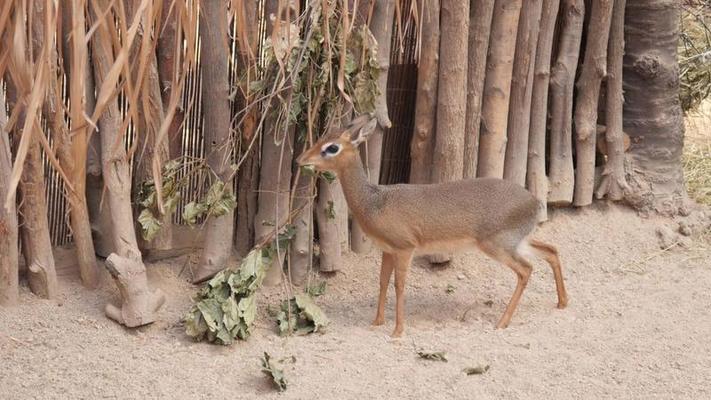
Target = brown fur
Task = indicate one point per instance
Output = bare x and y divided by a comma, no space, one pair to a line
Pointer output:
493,215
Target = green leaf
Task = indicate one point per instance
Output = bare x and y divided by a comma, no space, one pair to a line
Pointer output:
150,225
433,356
316,290
311,311
195,325
329,176
478,370
330,211
215,192
308,170
224,205
192,211
276,374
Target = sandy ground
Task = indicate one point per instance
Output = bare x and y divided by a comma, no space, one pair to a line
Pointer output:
638,326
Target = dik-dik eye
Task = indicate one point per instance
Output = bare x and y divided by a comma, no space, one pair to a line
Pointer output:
330,149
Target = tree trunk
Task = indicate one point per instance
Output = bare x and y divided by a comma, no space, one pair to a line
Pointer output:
218,143
521,91
561,177
150,117
9,262
371,150
594,69
248,175
652,113
118,187
614,181
275,168
113,155
421,148
71,148
448,157
497,89
168,68
480,16
34,228
536,179
330,207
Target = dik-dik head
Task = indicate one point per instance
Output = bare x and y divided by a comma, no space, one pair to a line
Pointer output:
336,148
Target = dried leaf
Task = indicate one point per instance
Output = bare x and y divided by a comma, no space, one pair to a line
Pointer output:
316,290
450,288
434,356
276,374
478,370
192,211
150,225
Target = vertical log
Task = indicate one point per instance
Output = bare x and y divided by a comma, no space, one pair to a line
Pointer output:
276,160
614,181
329,207
536,179
480,16
652,115
115,166
9,262
497,89
371,150
594,69
421,148
448,158
72,149
248,175
301,250
521,91
150,117
218,144
562,87
34,228
169,67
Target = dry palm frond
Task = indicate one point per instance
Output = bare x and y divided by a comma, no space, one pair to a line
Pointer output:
697,171
695,54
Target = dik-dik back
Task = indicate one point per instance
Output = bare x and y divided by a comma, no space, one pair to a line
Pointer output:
493,215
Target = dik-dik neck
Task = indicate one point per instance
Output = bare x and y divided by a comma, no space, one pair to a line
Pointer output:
358,190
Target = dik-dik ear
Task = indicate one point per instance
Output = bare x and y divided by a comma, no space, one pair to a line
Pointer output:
359,133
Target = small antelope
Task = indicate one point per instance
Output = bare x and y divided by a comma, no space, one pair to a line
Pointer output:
493,215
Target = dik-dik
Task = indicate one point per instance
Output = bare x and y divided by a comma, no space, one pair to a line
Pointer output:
493,215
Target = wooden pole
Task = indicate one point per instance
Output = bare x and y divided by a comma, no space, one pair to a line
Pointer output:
497,89
594,69
521,91
561,177
421,148
614,181
536,178
480,16
9,262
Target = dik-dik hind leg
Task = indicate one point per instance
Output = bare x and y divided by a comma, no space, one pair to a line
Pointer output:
550,254
402,264
386,270
521,267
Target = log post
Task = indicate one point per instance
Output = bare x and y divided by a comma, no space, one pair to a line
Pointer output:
168,68
497,89
150,117
371,150
594,69
480,15
218,141
421,147
139,302
536,178
561,179
277,155
126,266
614,181
521,91
9,262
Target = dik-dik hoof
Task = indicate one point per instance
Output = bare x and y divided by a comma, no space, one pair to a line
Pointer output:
378,321
397,333
563,303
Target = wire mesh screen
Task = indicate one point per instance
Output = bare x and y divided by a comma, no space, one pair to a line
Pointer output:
402,84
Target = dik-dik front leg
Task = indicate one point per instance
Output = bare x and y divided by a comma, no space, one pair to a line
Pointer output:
386,270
